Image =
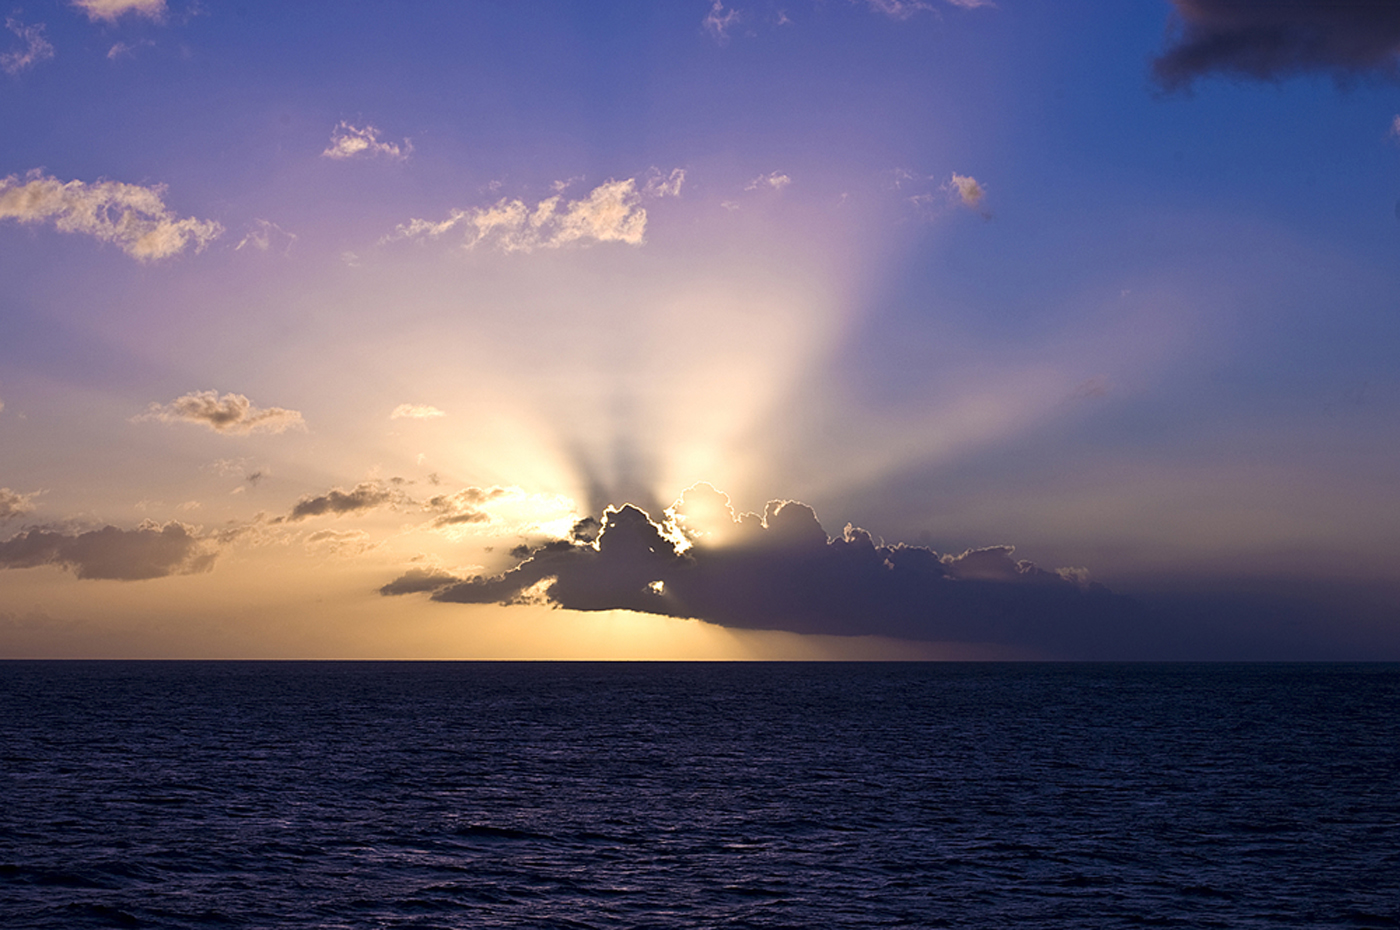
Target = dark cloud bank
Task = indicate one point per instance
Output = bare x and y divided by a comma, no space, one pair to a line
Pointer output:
780,571
149,551
1272,39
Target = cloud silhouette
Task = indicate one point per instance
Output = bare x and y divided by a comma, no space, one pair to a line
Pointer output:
780,571
231,413
132,217
150,551
364,496
1267,40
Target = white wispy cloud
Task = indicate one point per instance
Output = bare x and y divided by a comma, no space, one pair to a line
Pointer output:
231,413
110,10
669,185
774,180
349,141
1395,128
611,212
132,217
36,48
719,21
264,235
416,412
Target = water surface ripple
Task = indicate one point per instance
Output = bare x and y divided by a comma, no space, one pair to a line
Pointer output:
481,795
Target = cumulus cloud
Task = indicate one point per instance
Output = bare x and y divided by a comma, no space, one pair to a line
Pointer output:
367,495
1268,40
774,180
466,506
340,542
264,235
416,412
14,504
132,217
150,551
231,413
35,47
611,212
349,141
419,581
780,570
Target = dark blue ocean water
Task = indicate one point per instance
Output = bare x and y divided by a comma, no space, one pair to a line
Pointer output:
463,795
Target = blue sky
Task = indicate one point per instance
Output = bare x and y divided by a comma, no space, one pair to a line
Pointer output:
964,275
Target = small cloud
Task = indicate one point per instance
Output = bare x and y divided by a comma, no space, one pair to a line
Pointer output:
611,212
110,10
419,581
1269,41
1395,128
664,185
34,50
416,412
14,504
350,259
966,189
150,551
719,21
773,180
340,542
124,49
364,496
132,217
903,9
348,141
264,235
231,413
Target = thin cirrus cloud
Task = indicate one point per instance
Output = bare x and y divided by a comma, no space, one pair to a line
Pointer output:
232,414
349,141
265,235
780,570
718,21
611,212
1267,40
35,48
132,217
111,10
416,412
152,550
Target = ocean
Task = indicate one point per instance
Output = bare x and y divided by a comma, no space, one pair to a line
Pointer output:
612,795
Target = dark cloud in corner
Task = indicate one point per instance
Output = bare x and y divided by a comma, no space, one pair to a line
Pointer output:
780,571
149,551
1271,39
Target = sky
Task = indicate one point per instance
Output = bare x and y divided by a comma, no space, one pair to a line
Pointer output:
814,329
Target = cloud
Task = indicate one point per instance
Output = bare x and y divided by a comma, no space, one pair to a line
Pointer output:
150,551
903,9
612,212
351,142
364,496
966,190
132,217
419,581
264,235
110,10
416,412
773,180
14,504
340,542
232,413
719,21
668,185
36,47
1395,127
467,505
779,570
1268,40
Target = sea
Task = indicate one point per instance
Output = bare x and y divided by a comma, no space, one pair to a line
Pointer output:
698,795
